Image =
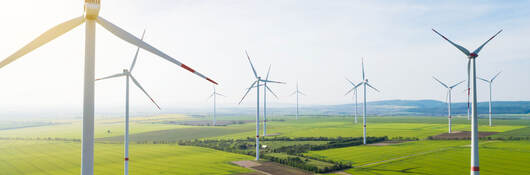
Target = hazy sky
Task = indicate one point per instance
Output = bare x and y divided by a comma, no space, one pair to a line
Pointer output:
318,43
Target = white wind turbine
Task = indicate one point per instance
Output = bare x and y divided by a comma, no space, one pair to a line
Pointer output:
489,83
365,83
475,170
128,75
354,89
265,89
91,17
214,95
256,84
448,98
297,92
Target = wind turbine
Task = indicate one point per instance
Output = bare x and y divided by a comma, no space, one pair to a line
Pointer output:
489,83
128,75
475,170
91,17
354,89
257,83
265,89
448,98
297,92
365,83
214,95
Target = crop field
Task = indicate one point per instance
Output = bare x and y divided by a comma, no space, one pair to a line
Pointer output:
496,157
420,127
56,157
31,148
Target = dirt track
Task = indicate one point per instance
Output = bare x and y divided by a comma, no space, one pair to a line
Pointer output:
269,168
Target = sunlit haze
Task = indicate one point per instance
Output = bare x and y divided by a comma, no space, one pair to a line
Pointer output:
318,44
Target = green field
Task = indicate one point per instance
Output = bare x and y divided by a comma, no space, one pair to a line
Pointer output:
27,155
56,157
496,157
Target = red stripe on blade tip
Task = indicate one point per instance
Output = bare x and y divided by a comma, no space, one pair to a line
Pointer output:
210,80
187,68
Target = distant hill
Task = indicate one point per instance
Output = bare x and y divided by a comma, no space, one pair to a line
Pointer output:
425,108
391,108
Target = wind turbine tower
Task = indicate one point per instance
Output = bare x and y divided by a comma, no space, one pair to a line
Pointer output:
91,17
489,83
129,76
297,93
354,89
257,84
365,83
214,95
471,56
448,98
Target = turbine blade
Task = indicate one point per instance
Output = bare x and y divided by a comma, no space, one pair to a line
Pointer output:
349,91
268,71
271,92
301,93
210,96
124,35
248,90
293,93
112,76
141,88
372,87
481,46
443,84
351,82
136,54
487,81
464,50
251,65
468,84
495,76
269,81
44,38
362,63
220,94
457,84
358,85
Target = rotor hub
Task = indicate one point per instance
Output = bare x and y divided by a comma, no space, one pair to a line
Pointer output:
473,55
92,9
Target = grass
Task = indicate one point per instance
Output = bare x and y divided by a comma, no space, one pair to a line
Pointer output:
451,157
54,157
360,155
496,157
420,127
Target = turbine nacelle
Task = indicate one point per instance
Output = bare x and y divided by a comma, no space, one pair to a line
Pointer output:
125,71
473,55
92,9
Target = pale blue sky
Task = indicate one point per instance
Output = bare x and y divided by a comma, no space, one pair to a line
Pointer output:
316,42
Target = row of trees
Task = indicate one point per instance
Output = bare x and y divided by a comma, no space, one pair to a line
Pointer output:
302,163
297,159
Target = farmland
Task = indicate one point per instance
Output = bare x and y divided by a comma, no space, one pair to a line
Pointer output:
53,147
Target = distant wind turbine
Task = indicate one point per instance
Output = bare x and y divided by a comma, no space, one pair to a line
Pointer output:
297,92
128,75
448,98
475,170
489,83
365,83
214,95
257,83
354,89
91,17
